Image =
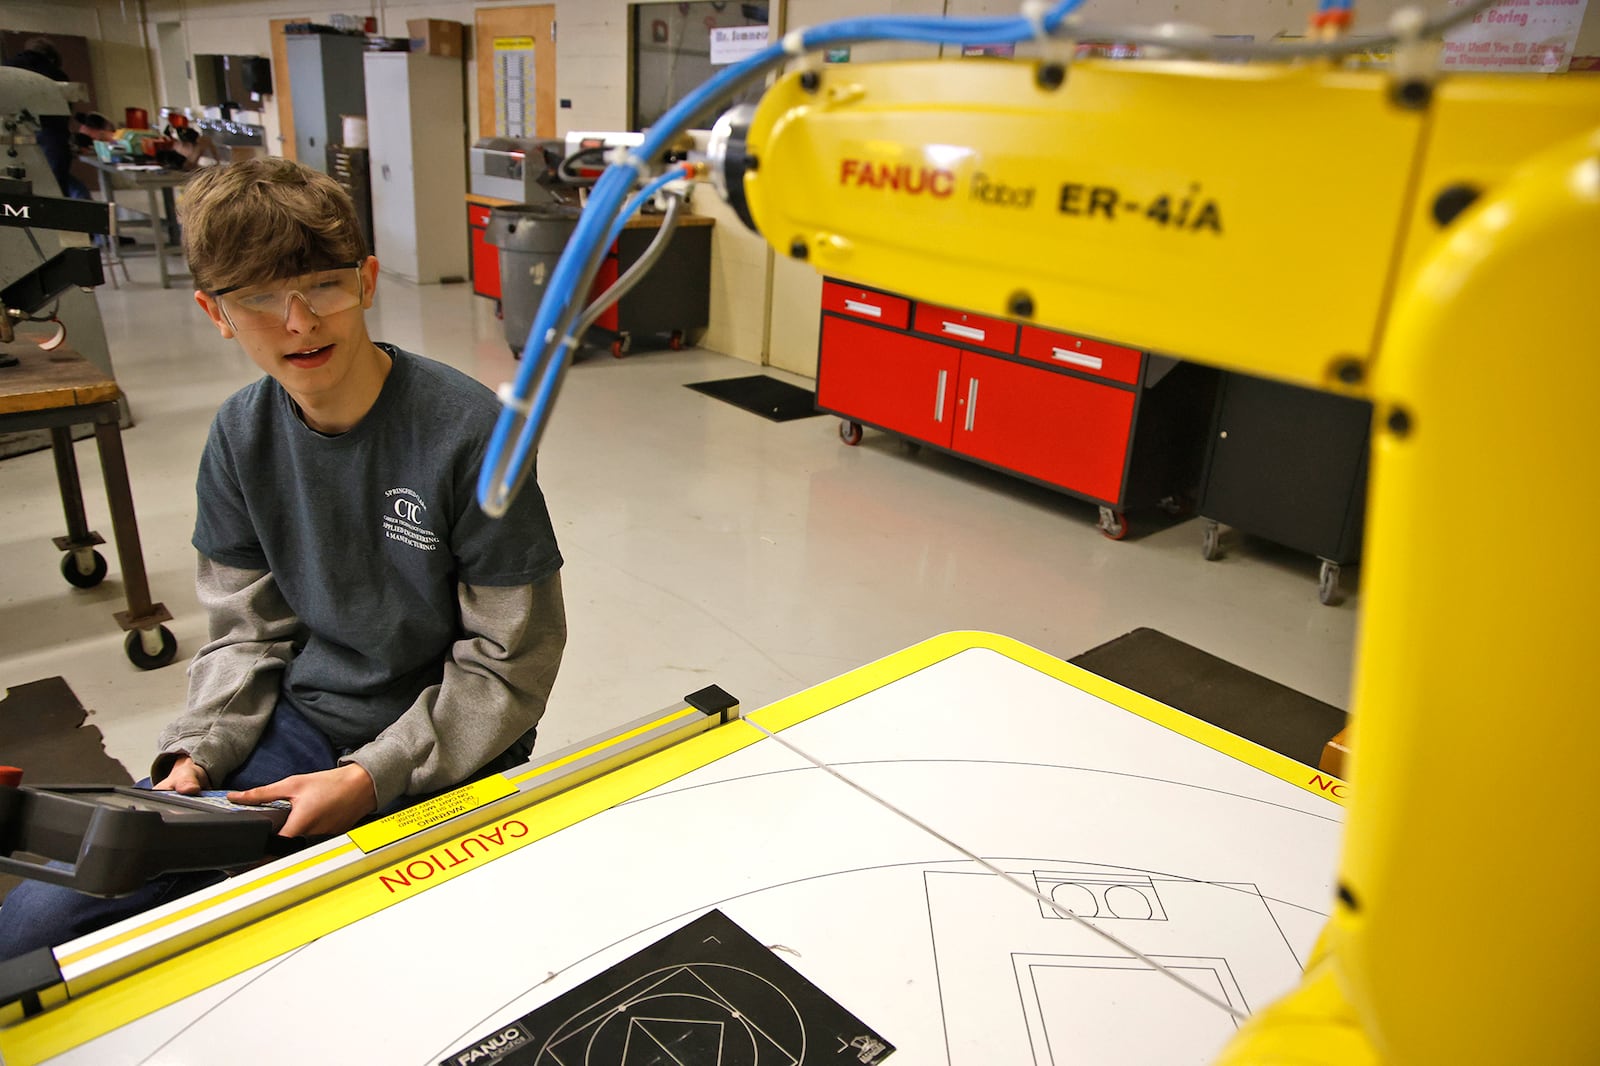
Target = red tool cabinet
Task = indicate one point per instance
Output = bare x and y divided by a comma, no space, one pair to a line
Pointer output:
485,256
1122,428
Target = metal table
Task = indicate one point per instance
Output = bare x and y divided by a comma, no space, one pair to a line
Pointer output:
158,186
56,391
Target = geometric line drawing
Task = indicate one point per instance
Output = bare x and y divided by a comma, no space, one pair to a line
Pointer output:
1099,894
706,994
697,1007
682,1043
1065,999
1073,998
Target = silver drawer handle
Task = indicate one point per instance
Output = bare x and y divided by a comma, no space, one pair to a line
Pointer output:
938,401
863,309
972,402
1093,362
957,330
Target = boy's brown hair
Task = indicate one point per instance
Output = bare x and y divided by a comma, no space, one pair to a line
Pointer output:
263,219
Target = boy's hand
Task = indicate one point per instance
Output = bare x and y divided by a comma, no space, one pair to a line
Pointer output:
321,804
186,777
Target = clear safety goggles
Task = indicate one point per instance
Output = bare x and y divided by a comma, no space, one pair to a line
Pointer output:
325,292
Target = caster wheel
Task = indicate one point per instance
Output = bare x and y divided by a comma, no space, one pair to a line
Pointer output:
83,579
850,432
675,342
1211,541
617,350
1177,506
1113,524
1328,584
516,353
133,644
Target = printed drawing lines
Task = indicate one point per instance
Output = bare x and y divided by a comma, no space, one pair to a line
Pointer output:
1067,1000
693,1010
1113,1008
663,1035
1100,893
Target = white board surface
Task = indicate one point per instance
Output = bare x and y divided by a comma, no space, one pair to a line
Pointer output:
1218,869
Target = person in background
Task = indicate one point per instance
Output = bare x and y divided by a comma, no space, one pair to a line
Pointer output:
55,131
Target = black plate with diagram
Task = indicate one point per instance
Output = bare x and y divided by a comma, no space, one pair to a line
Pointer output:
709,994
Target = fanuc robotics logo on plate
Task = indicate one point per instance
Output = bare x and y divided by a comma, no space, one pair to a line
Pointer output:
1189,210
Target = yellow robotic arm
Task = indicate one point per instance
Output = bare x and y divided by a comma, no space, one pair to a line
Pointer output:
1419,245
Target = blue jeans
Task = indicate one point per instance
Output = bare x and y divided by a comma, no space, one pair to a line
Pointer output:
37,914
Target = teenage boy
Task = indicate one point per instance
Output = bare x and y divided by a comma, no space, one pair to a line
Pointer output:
374,637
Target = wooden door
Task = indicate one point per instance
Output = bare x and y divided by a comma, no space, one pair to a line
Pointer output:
504,37
281,98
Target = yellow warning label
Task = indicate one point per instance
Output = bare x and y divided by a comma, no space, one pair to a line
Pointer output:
513,44
420,816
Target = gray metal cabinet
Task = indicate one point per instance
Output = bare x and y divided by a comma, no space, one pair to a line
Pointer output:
326,80
417,130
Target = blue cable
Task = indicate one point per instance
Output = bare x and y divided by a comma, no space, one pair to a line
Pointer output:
601,214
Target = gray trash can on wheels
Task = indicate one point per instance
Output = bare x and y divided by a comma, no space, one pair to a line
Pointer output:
531,238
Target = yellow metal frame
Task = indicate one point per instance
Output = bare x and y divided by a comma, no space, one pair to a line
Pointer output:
1475,337
166,973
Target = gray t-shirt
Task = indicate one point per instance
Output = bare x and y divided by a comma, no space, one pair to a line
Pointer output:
367,533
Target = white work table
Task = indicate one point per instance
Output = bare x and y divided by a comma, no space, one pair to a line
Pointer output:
1203,851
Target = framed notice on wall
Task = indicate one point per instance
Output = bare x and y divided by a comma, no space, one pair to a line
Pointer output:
1536,36
676,47
514,77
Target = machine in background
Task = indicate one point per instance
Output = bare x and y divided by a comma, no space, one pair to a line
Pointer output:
523,202
46,398
23,92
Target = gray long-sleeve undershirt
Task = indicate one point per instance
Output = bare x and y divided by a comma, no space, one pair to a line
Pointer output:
496,682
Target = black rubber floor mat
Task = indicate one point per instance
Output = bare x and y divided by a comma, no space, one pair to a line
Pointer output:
774,400
1215,690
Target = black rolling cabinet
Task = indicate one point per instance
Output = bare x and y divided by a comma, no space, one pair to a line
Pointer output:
1288,464
352,169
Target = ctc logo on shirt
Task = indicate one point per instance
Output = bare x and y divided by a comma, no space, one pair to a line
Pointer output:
408,511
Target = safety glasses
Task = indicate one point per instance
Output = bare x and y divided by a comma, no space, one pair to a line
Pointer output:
325,292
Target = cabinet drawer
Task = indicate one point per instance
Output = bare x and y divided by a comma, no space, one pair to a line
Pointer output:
485,261
1080,353
890,379
948,324
1054,427
885,310
477,215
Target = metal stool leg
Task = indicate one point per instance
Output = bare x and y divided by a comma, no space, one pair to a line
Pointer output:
83,566
111,252
149,643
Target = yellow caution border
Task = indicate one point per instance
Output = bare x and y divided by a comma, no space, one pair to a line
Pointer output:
104,1009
